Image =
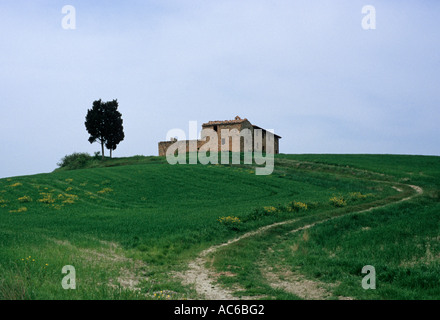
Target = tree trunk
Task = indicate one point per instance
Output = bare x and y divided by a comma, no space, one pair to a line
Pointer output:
102,149
110,153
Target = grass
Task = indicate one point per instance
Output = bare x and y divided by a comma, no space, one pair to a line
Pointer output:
139,220
401,240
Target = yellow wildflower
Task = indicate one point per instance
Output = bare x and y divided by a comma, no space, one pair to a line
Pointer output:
22,209
25,199
338,201
105,190
229,220
270,209
16,184
297,206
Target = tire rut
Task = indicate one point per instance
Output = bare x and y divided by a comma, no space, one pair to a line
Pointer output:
204,279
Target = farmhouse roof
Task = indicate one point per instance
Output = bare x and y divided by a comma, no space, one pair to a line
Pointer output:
257,127
217,122
235,121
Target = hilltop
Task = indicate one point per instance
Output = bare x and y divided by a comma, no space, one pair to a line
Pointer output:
132,227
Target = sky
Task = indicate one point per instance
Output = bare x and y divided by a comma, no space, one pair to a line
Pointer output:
309,70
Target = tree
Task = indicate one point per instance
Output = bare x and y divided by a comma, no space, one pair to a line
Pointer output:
104,124
115,128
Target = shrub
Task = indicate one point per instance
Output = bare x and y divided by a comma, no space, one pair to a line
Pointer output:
75,161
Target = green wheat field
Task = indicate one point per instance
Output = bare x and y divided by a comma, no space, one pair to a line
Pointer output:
131,226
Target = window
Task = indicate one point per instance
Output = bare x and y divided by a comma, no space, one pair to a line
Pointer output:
223,141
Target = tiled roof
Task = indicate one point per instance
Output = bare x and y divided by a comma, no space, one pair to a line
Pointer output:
236,120
217,122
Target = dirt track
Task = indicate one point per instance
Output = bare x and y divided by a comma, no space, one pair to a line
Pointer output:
204,279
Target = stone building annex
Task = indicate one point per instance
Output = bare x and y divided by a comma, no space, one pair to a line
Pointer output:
235,128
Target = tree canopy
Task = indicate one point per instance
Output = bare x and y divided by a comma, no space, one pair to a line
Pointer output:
104,124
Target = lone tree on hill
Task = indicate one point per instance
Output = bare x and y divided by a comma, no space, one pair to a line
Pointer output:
116,130
104,124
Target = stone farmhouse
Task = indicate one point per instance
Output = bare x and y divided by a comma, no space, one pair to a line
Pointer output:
238,124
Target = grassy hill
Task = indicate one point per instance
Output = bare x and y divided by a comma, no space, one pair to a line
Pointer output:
128,225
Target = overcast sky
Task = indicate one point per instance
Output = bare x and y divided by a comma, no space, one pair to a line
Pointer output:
306,69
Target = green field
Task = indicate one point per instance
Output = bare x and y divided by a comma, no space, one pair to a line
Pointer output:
129,225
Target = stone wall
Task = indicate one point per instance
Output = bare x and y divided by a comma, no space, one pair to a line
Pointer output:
234,128
163,145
